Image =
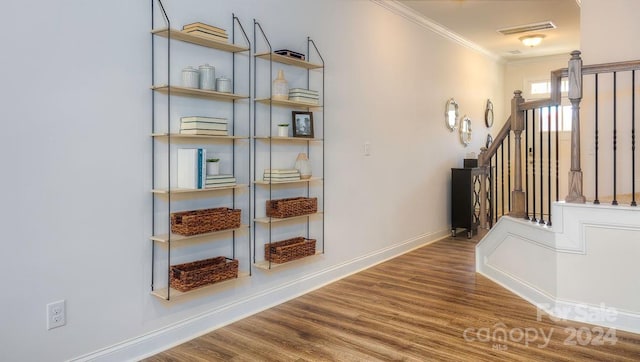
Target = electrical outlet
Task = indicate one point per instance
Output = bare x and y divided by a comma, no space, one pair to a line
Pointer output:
56,314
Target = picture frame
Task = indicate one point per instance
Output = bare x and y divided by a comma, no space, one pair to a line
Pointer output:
302,124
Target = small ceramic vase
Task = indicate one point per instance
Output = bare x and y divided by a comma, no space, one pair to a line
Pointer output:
303,165
280,90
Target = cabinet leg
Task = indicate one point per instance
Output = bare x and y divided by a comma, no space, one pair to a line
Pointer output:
453,233
469,234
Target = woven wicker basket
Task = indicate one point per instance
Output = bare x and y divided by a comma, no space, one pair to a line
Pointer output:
290,249
188,276
295,206
204,221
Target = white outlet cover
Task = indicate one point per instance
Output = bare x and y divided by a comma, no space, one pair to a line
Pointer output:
56,314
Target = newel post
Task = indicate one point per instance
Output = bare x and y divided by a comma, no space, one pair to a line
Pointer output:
575,96
517,126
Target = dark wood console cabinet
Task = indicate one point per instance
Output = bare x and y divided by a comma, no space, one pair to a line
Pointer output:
465,199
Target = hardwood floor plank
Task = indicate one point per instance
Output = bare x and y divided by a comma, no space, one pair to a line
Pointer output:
427,305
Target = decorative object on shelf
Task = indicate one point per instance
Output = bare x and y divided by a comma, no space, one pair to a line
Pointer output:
223,85
190,77
207,74
198,125
302,124
290,207
204,221
465,130
191,168
302,95
280,89
290,54
451,114
214,181
213,166
283,130
303,165
281,175
288,250
488,114
470,160
489,141
206,31
188,276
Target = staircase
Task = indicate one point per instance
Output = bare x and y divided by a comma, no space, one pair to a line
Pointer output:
575,257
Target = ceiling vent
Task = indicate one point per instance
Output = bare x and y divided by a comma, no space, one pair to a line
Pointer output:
527,28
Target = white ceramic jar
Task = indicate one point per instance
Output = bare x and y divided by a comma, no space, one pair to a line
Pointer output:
207,75
190,77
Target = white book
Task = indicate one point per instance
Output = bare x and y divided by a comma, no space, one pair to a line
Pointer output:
187,168
304,100
204,132
203,119
203,125
211,186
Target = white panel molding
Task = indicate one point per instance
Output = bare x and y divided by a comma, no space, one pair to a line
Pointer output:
172,335
415,17
570,226
571,220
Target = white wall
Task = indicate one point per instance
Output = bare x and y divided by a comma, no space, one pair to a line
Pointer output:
608,31
77,105
608,34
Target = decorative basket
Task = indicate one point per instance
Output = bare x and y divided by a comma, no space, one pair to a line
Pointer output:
204,221
290,249
185,277
295,206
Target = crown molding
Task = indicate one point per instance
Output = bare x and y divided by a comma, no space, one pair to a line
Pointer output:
415,17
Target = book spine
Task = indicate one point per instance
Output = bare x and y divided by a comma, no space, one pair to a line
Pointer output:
200,162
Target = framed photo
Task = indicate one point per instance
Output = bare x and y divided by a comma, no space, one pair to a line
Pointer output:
302,124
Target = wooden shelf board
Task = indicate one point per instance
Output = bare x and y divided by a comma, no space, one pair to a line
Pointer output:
194,191
198,136
288,103
162,293
164,238
199,40
264,265
288,60
267,220
278,138
195,92
261,182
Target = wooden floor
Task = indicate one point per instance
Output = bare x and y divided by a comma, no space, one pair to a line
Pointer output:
427,305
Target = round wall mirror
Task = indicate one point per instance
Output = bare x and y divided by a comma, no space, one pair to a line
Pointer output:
465,130
489,141
451,114
488,114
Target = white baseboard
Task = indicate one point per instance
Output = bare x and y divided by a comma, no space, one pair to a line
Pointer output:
172,335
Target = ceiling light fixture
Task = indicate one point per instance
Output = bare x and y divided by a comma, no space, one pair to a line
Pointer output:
531,40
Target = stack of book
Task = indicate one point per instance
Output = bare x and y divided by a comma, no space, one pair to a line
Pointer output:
220,181
304,96
281,175
192,168
208,126
207,31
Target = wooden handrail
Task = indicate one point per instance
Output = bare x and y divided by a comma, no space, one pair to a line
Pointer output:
611,67
487,153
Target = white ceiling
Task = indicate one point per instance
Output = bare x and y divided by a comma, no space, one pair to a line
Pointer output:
478,21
